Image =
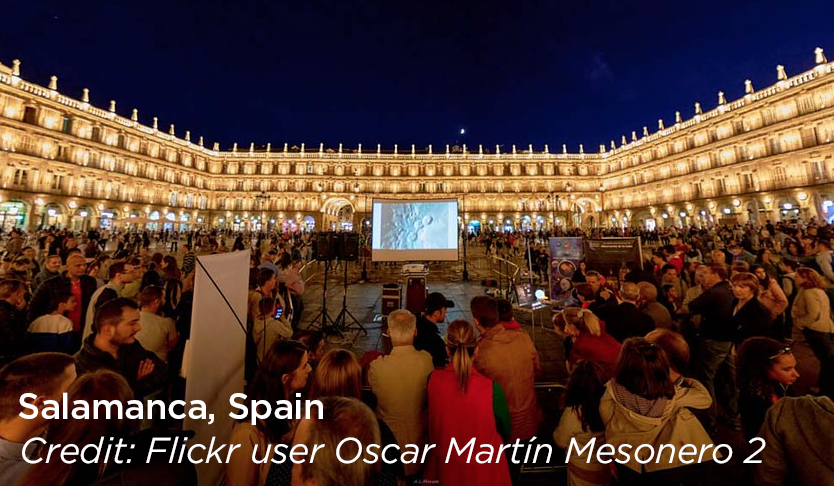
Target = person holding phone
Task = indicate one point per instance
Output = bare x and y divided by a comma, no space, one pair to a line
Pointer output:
270,326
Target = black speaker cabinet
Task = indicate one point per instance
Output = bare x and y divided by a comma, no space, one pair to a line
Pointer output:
326,246
415,294
349,246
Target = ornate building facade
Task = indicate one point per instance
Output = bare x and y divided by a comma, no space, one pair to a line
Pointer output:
765,156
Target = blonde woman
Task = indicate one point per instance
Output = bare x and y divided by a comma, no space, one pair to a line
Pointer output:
590,342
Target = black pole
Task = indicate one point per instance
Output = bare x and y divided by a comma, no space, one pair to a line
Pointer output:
364,258
465,271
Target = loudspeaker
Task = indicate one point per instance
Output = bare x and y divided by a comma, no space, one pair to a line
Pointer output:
349,246
415,295
326,246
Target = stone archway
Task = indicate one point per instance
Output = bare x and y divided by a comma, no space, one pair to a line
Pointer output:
337,214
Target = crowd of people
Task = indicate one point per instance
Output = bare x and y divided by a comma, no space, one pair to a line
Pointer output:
703,338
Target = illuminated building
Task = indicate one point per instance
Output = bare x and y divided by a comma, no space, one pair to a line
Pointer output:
766,155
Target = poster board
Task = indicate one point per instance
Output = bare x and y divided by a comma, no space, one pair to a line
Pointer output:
608,255
565,255
216,350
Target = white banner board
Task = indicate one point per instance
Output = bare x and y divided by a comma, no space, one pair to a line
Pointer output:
214,368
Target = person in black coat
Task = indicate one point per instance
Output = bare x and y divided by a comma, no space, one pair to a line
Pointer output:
750,317
428,335
114,347
12,325
625,320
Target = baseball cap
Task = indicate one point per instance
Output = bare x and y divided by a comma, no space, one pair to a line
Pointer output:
436,301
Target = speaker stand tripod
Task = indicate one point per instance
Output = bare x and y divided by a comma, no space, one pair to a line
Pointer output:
341,321
327,324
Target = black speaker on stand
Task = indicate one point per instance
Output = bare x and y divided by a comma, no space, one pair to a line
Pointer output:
326,249
348,251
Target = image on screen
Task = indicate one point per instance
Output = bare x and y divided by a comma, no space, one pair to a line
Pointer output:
414,230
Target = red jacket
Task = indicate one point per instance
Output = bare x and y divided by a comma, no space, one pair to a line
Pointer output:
463,417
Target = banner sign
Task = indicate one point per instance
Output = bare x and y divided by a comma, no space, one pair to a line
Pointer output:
565,254
216,349
608,255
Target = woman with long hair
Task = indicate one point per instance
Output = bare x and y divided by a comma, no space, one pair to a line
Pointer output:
582,422
464,403
811,314
589,340
99,385
642,405
766,370
750,318
172,276
772,297
283,372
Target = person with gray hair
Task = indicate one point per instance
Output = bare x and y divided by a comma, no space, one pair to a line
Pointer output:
399,381
342,418
626,320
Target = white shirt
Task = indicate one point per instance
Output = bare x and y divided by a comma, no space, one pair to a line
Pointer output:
156,333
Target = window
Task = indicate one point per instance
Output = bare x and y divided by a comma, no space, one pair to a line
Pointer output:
779,174
21,177
747,182
57,182
30,115
66,125
173,199
817,171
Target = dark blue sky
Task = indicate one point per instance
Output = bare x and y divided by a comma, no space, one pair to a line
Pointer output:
412,71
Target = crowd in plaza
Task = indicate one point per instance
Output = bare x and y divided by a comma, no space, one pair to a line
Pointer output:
713,331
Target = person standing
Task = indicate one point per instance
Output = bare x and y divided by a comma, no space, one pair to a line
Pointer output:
811,315
120,274
715,338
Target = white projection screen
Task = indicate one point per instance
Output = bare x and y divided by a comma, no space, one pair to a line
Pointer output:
411,230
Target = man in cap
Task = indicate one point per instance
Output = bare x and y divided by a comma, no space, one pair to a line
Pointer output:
428,335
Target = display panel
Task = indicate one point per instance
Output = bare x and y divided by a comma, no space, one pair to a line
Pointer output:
414,230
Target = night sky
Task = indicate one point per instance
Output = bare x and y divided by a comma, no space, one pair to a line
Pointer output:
412,71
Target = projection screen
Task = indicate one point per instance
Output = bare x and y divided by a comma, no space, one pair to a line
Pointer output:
414,230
